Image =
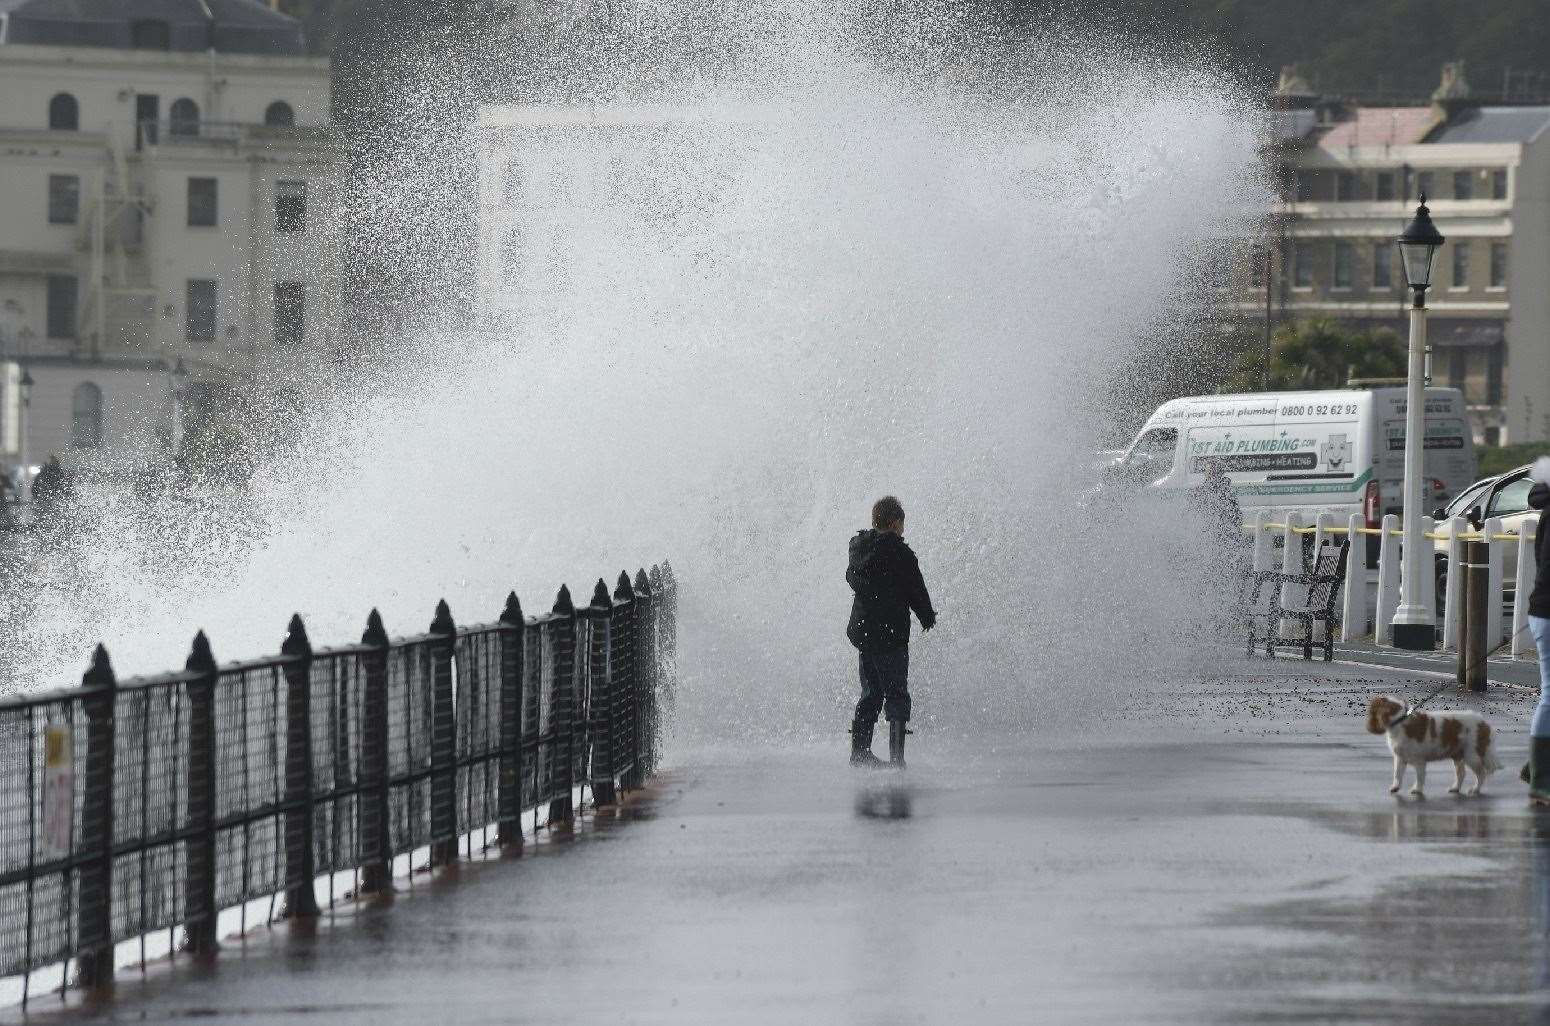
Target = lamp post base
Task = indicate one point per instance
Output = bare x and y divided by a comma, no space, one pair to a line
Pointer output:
1416,637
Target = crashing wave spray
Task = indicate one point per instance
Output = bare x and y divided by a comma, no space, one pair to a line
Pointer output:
907,260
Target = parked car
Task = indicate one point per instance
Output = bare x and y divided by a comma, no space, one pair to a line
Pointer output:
1504,496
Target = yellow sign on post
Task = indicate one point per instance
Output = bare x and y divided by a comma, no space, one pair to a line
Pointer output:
58,792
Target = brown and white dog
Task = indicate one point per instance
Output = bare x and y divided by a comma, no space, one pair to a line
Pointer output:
1424,737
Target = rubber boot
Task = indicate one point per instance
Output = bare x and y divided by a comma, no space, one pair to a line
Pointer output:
861,745
897,730
1539,770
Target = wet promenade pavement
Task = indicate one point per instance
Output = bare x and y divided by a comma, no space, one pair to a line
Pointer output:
1244,864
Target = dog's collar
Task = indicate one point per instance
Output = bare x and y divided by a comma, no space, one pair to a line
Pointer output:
1402,717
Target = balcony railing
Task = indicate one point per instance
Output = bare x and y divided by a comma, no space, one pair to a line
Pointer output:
178,132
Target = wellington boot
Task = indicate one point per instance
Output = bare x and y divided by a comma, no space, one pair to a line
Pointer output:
861,745
1539,770
897,730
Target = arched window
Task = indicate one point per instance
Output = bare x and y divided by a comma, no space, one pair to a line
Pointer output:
279,115
86,416
183,119
64,113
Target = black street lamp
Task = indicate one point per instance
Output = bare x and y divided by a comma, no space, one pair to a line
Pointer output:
1418,245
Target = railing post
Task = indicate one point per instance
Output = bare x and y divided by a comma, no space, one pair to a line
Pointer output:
300,902
372,802
199,911
1495,550
626,684
645,677
1388,580
443,739
1353,609
1453,593
94,912
562,712
1522,642
508,801
1293,596
603,697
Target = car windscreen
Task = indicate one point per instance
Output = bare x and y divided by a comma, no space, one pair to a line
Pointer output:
1510,498
1472,495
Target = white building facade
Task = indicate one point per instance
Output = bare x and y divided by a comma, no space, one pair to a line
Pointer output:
1352,176
166,173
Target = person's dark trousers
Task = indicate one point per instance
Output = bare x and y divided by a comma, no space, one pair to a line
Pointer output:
885,685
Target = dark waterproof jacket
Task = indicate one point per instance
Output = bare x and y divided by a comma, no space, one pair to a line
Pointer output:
885,575
1539,598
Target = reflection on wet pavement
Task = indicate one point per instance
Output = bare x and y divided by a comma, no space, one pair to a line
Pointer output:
1232,856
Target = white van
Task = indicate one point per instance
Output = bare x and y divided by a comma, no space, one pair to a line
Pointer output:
1338,451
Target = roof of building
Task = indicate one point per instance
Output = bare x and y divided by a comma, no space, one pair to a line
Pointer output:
1493,125
231,26
1379,126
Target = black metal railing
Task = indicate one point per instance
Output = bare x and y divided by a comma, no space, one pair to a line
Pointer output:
154,804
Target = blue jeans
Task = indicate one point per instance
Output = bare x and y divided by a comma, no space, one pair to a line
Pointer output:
1540,627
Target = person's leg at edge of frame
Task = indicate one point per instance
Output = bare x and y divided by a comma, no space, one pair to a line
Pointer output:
1539,728
867,708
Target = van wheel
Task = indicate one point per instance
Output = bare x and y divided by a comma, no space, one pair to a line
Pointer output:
1441,594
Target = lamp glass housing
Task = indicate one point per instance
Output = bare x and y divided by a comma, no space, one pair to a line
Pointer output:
1418,258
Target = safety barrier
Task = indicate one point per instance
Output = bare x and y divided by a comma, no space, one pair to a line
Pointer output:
1368,610
154,804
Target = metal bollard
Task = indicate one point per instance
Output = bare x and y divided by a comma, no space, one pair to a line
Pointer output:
199,904
94,878
1475,592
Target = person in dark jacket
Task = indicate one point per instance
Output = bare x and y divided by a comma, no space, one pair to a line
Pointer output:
886,579
52,491
1539,624
1216,506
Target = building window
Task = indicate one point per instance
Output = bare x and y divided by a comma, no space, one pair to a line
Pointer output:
61,306
1303,183
1498,265
201,203
64,199
1383,265
1385,189
150,34
290,206
64,114
1461,265
279,115
1343,257
290,313
86,416
1463,185
1425,184
1302,265
1499,184
201,304
1477,371
183,117
1257,255
1345,186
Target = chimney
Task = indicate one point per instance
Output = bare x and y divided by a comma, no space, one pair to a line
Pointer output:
1292,90
1452,95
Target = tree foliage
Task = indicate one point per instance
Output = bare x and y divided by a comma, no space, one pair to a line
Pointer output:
1313,354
